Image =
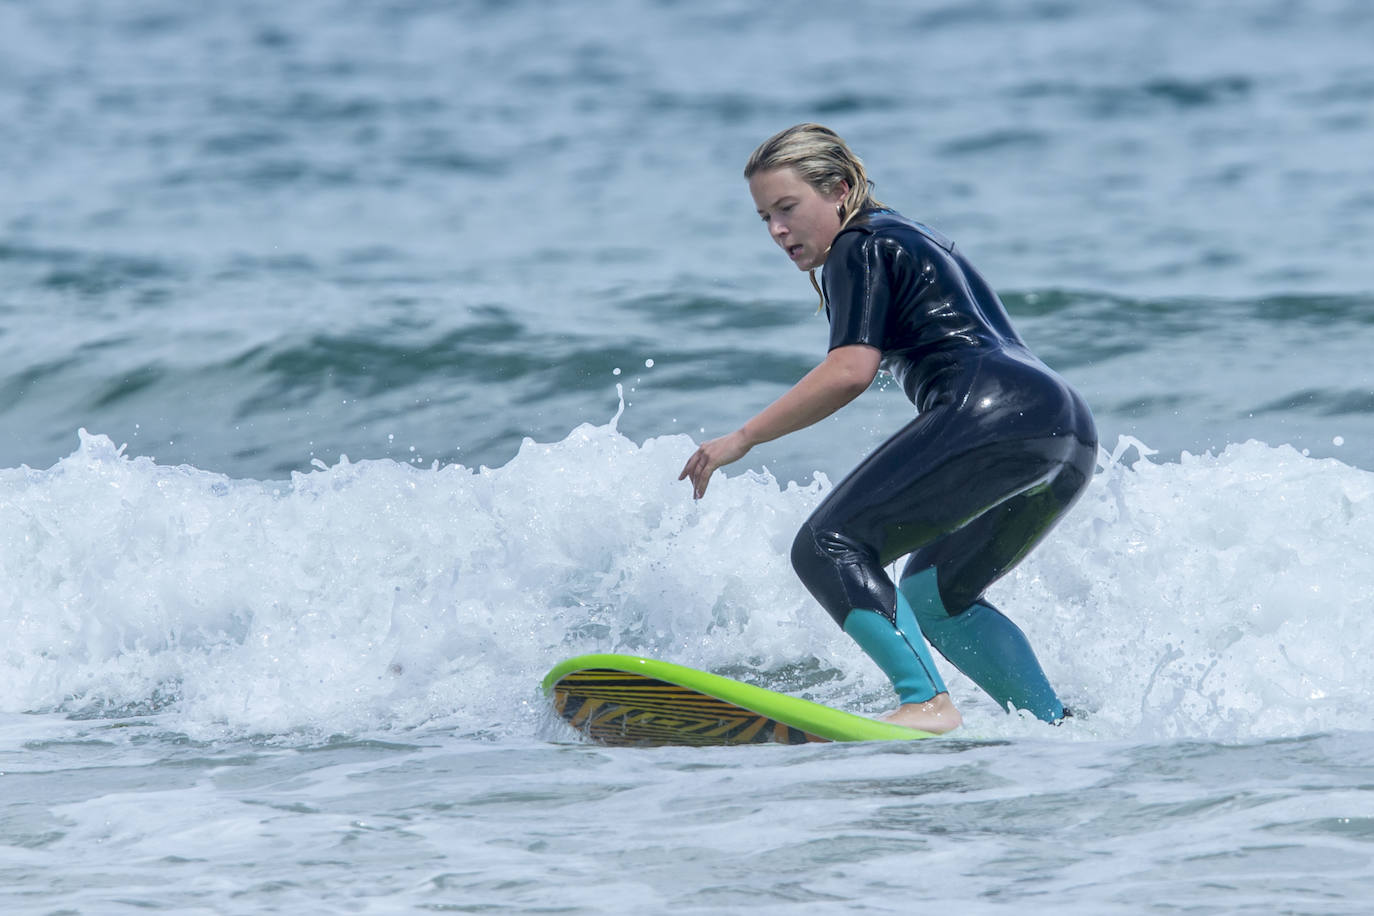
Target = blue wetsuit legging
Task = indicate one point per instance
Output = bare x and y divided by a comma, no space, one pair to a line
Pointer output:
967,488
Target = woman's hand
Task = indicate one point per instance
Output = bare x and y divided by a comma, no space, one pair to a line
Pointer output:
846,372
711,455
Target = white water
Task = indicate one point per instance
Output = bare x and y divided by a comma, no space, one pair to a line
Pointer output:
1221,597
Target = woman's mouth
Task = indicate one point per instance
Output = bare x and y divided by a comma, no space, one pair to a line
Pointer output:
793,251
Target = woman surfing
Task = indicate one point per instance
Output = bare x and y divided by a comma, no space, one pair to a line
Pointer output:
1000,448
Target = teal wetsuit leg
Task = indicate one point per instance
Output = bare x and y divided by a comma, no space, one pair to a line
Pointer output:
986,646
899,650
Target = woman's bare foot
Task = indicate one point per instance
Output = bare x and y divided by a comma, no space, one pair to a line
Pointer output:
936,715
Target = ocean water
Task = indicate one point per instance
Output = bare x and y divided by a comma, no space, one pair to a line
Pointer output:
349,353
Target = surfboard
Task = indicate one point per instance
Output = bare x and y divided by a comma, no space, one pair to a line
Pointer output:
628,701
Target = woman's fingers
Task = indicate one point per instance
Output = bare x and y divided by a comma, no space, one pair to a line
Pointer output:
699,469
703,478
689,469
701,475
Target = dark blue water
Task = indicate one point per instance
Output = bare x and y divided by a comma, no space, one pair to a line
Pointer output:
354,228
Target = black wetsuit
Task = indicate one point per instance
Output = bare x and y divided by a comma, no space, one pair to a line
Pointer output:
1000,449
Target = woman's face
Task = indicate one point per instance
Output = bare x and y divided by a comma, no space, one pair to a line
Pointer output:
802,220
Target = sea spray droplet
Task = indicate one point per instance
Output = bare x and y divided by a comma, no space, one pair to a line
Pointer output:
648,364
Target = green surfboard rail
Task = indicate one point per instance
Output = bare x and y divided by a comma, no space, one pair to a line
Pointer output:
813,718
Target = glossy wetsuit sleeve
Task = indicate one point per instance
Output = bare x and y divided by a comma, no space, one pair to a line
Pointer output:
857,290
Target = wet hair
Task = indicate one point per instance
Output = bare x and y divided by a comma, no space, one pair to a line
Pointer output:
822,159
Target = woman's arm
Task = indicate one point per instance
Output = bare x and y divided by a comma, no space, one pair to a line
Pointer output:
845,374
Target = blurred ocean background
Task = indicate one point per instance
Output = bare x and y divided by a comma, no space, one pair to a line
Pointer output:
349,352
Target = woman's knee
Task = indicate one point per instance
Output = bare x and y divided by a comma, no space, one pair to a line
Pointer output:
807,559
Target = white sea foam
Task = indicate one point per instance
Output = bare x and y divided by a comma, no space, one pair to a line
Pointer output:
1220,596
1224,596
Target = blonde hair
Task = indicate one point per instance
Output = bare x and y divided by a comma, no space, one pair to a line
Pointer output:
823,160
